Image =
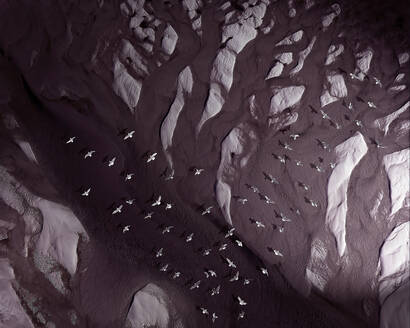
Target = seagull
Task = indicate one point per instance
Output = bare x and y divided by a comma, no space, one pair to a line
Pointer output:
70,140
277,253
129,176
241,301
164,268
317,168
265,271
148,215
216,290
312,203
239,243
89,154
350,106
151,157
371,104
284,218
294,136
332,165
241,315
170,176
204,311
282,159
117,210
176,275
287,146
229,233
270,178
129,135
167,229
111,162
198,171
259,224
377,81
281,229
168,206
235,277
126,228
157,202
254,189
268,200
195,285
246,281
212,273
304,186
223,247
358,123
206,252
230,263
299,163
324,115
214,317
207,210
189,237
242,200
159,253
86,192
130,201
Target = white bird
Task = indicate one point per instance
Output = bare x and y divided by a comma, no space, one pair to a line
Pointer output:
238,242
129,176
148,215
229,233
215,291
304,186
241,301
377,81
129,135
204,311
198,171
86,192
287,146
317,168
259,224
157,202
117,210
277,253
282,159
298,163
222,247
189,237
353,76
214,317
235,277
168,206
230,263
284,218
206,274
89,154
281,229
126,228
242,200
164,268
111,162
246,281
195,285
332,165
167,229
270,178
254,189
70,140
212,273
265,271
170,176
207,210
371,104
159,252
241,315
151,157
176,275
324,115
312,203
294,136
206,252
358,123
130,201
268,200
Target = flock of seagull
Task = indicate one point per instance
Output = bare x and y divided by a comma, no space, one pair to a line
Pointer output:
158,201
283,159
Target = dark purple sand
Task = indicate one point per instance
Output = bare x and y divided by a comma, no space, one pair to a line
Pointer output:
119,264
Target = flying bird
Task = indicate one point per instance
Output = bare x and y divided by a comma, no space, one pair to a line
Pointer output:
70,140
129,135
117,210
86,192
